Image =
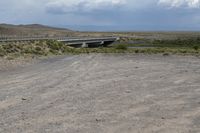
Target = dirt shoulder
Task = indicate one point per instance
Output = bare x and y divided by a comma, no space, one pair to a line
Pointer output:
103,93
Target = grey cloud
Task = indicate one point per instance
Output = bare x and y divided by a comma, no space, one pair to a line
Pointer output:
180,3
87,6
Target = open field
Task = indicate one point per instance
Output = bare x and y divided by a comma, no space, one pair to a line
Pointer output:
102,93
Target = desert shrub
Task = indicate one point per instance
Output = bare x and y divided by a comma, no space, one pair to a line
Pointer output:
27,50
137,51
188,42
2,51
10,48
183,51
32,50
55,45
53,51
121,47
38,48
196,47
166,54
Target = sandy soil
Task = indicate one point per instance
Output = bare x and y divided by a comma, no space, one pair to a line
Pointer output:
102,94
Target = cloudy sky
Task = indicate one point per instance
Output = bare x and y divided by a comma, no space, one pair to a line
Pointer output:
127,15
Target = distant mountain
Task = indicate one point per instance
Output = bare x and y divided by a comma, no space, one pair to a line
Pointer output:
33,30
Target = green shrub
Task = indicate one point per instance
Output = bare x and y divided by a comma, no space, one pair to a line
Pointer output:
137,51
27,50
38,48
2,52
166,54
55,45
53,51
121,47
196,47
184,42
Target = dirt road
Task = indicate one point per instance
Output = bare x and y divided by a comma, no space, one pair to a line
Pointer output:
102,94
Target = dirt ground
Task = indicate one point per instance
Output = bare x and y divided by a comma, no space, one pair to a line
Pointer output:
7,65
102,94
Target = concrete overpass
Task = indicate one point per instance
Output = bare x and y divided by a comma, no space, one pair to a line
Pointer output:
70,41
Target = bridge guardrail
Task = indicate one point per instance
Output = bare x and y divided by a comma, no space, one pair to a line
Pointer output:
6,39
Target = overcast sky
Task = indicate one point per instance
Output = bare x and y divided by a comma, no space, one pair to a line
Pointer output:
104,14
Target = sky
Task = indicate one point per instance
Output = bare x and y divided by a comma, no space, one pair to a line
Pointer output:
105,15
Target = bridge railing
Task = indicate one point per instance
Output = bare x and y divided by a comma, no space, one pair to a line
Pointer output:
7,39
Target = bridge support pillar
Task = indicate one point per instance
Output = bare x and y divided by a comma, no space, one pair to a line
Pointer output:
84,45
102,43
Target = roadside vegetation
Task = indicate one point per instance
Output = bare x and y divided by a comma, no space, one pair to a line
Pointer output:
174,46
47,48
139,42
35,48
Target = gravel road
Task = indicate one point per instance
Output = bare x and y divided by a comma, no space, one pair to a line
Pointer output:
100,93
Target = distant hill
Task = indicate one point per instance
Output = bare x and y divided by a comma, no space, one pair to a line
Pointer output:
33,30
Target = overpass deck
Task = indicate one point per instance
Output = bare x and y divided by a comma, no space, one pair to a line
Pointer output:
72,41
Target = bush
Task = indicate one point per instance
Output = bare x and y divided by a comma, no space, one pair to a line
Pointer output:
166,54
53,51
121,47
38,48
187,42
137,51
55,45
196,47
